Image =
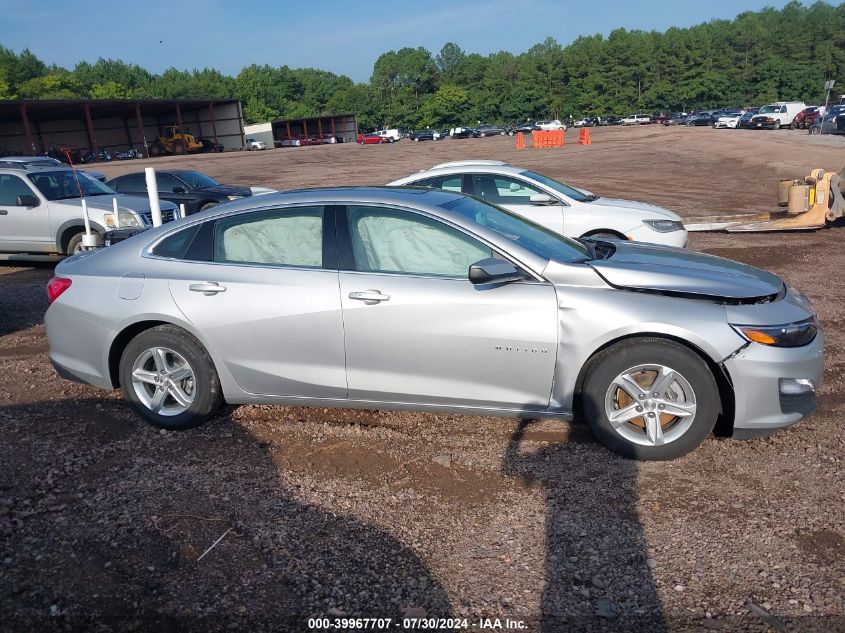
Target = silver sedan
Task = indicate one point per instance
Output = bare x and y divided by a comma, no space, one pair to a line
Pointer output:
434,301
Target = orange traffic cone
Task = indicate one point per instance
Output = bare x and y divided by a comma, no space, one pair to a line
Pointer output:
584,136
520,141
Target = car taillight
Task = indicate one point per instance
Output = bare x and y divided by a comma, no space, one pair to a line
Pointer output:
56,286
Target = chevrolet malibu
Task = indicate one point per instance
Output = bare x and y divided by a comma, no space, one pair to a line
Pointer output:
430,300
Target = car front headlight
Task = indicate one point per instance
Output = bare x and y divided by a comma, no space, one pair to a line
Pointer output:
664,226
126,219
787,335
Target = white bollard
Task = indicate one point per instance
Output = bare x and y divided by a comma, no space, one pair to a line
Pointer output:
89,239
116,213
152,191
182,213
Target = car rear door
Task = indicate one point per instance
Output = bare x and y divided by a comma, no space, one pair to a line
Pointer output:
514,195
23,228
262,286
417,331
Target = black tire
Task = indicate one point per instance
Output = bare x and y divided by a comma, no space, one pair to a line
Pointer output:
815,130
605,235
510,133
179,148
208,205
616,359
74,243
156,150
793,126
776,124
208,395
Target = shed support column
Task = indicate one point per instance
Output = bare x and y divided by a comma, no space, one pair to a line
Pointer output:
90,125
28,129
179,115
213,124
334,132
287,123
320,128
141,129
304,128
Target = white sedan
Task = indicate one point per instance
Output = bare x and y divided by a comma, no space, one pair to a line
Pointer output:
729,120
561,208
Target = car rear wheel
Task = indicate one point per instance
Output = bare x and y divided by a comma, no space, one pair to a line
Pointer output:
169,378
815,130
650,399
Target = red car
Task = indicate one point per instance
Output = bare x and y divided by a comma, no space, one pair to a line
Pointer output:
806,118
370,139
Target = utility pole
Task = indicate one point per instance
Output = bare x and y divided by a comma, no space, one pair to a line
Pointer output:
828,85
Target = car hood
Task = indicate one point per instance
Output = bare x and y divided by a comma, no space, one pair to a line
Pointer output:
104,203
680,271
228,190
629,205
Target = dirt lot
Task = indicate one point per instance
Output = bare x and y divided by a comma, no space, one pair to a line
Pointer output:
322,512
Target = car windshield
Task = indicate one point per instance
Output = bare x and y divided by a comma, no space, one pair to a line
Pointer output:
537,239
569,192
769,108
62,185
197,180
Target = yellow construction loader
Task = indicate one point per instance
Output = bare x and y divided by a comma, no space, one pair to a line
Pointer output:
175,141
810,203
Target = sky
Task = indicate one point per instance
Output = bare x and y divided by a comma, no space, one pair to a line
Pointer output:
342,37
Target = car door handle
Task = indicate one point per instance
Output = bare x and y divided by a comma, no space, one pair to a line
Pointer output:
208,288
370,297
4,212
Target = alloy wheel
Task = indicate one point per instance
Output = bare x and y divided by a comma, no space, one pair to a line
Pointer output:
650,405
163,381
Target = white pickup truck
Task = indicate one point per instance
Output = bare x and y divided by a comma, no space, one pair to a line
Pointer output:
636,119
392,135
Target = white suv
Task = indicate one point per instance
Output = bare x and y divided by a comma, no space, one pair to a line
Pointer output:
561,208
41,209
253,144
636,119
550,125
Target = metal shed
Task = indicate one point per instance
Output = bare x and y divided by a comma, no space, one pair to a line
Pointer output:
34,126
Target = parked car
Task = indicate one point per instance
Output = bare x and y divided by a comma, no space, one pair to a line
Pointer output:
371,139
833,121
727,120
41,209
425,135
554,124
525,128
253,144
636,119
660,118
677,118
745,119
610,120
434,301
777,115
485,129
463,132
391,135
210,146
47,161
557,207
699,119
196,190
806,117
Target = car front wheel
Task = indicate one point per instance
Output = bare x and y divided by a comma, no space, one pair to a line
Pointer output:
650,399
169,378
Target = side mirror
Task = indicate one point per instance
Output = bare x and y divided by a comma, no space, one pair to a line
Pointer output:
541,198
493,271
27,201
179,190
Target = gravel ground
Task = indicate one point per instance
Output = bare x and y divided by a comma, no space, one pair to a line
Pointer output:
106,523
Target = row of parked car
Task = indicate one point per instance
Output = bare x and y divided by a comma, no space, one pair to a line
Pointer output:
479,131
484,289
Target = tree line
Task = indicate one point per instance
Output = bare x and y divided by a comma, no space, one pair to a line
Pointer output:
755,58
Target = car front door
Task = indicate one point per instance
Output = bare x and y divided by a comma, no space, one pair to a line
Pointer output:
174,190
23,228
418,331
515,195
265,294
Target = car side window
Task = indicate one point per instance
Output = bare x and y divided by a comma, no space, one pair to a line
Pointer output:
280,237
502,190
10,188
391,241
166,183
446,183
133,183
